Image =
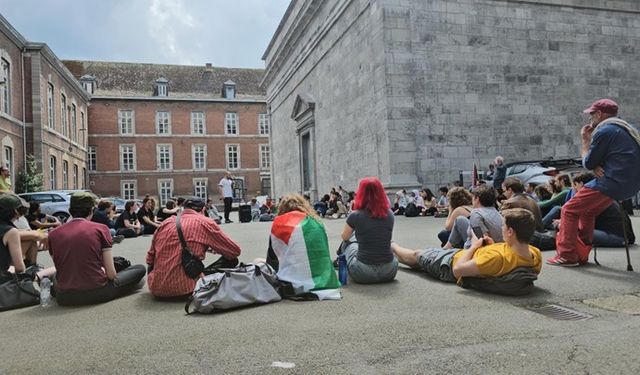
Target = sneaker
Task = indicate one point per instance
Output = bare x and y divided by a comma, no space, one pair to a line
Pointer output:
560,261
228,221
118,238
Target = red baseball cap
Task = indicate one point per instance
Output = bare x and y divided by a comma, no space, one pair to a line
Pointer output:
604,106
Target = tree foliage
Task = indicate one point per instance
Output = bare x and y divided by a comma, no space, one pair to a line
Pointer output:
32,180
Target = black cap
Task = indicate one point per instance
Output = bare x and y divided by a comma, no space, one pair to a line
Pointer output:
194,203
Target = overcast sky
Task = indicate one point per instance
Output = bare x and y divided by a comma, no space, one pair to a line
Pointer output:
229,33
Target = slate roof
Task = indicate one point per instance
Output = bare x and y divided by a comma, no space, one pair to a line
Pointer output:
185,81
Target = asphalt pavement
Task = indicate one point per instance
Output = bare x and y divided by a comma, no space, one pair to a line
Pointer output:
413,325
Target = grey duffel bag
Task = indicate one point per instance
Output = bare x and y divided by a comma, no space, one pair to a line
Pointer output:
230,288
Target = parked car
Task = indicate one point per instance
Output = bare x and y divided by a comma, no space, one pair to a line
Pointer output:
541,171
52,202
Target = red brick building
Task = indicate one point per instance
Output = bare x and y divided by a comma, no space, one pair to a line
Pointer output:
43,112
168,130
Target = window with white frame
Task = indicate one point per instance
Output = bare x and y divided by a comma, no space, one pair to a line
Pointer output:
231,123
65,174
199,157
8,161
164,157
162,89
128,189
84,178
127,157
263,124
125,121
198,123
83,129
75,176
5,88
74,123
163,122
265,157
165,190
63,114
200,187
51,112
53,172
93,158
232,156
88,86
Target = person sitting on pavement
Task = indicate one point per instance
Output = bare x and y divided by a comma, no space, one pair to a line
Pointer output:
11,252
299,250
322,205
127,223
167,277
104,214
610,226
146,216
38,220
336,207
81,252
367,235
554,213
170,209
255,209
611,149
561,186
483,215
459,205
529,189
267,210
31,241
430,203
512,186
485,257
542,193
212,211
442,205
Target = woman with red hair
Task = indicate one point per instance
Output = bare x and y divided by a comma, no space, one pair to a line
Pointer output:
367,235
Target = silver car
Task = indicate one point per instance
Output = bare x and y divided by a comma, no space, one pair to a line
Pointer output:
541,171
52,202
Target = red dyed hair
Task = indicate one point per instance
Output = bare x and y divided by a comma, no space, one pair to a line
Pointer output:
371,197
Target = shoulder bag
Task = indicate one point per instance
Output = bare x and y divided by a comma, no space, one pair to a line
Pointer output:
193,266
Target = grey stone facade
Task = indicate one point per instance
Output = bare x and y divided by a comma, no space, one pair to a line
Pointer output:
413,91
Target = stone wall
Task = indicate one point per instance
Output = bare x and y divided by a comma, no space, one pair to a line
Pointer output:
469,80
344,73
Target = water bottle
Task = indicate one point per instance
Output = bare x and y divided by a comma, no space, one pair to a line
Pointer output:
45,292
342,269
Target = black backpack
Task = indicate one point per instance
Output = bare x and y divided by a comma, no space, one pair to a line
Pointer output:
516,283
411,210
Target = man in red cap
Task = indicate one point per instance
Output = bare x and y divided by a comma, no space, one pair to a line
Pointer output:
611,149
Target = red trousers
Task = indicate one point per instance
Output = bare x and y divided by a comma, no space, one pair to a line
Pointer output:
577,220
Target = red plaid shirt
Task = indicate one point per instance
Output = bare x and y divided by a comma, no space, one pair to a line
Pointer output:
168,278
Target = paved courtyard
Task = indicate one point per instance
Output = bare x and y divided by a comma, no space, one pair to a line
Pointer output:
413,325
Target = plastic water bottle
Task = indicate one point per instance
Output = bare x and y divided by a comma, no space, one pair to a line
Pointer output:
45,292
342,269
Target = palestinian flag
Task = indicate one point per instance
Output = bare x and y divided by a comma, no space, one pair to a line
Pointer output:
302,248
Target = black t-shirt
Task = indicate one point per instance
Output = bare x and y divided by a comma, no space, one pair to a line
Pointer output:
5,255
125,216
142,212
31,217
100,216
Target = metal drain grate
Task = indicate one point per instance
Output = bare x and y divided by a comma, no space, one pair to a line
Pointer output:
559,312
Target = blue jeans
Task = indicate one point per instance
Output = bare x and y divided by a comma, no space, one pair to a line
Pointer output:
363,273
604,239
458,235
554,213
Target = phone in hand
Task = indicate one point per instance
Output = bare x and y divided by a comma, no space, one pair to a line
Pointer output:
478,232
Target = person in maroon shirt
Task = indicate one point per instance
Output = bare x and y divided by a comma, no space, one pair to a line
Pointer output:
167,277
81,252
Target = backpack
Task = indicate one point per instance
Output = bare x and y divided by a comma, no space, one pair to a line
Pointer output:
515,283
411,210
543,240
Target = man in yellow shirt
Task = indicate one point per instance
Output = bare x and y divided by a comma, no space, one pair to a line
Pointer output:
484,258
5,180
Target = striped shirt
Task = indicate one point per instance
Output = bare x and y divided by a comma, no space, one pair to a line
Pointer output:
201,233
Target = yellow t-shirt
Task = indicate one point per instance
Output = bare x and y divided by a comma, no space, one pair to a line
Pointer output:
5,184
499,259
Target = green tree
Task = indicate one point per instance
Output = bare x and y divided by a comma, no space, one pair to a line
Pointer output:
31,180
